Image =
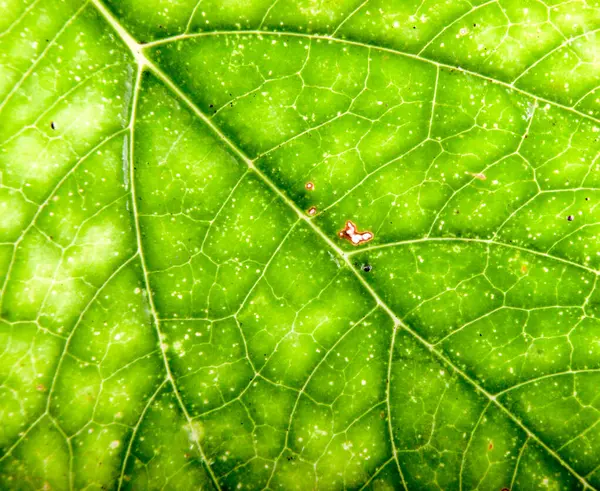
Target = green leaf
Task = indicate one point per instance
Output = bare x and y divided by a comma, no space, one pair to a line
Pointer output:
181,306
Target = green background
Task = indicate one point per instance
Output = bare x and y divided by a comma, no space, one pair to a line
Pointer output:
171,316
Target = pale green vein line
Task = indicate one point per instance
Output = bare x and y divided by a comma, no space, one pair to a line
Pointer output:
547,376
427,240
17,21
567,42
378,48
388,384
135,431
464,457
517,463
347,18
155,316
376,473
454,22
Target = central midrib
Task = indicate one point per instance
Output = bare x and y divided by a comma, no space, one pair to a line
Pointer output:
143,62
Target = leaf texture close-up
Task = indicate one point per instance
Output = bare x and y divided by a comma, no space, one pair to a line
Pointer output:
299,244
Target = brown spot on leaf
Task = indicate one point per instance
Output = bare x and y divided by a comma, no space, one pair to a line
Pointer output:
355,237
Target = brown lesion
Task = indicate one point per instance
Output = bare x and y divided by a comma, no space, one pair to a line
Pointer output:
351,234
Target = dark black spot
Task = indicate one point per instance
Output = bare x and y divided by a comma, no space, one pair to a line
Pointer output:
587,199
570,218
52,125
367,267
210,105
414,27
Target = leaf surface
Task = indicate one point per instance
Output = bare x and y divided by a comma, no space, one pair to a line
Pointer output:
180,308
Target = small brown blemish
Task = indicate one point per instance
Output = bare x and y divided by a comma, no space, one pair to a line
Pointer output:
480,176
570,218
351,234
524,268
40,387
310,186
491,446
312,211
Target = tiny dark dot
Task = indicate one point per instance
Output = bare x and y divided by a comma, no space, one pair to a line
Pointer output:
367,267
570,218
587,199
52,125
